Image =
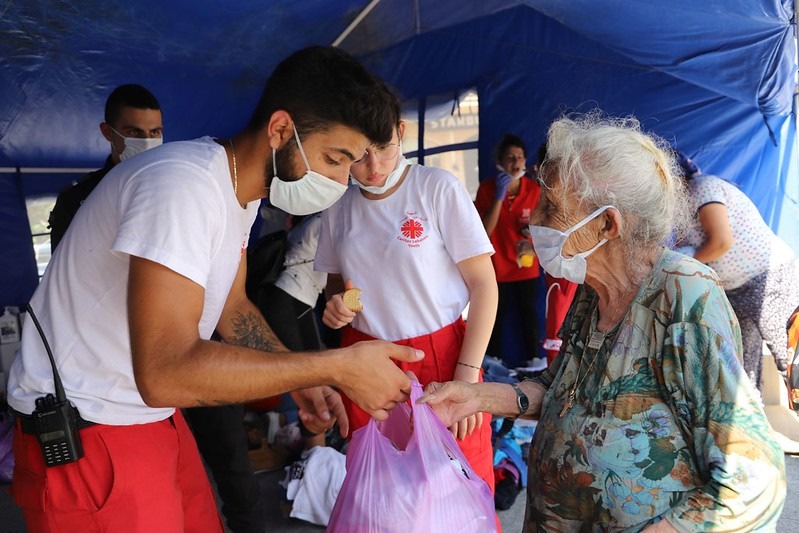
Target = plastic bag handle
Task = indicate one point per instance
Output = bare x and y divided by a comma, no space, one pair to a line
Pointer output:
425,420
416,392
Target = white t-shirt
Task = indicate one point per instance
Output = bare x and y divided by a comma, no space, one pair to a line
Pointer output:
402,252
755,247
173,205
299,279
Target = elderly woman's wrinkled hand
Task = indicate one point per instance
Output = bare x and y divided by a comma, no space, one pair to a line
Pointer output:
452,401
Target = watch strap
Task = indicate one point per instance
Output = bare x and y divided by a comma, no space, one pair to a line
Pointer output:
522,402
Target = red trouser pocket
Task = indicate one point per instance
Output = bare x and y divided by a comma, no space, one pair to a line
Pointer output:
137,479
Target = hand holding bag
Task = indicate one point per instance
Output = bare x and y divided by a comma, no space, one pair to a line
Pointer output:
406,475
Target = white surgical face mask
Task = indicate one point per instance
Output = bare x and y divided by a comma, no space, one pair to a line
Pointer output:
516,176
312,193
392,178
548,244
135,145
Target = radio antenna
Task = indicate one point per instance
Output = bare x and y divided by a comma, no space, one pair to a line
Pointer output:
59,388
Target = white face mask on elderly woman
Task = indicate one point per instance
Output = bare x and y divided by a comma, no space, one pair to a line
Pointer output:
312,193
548,244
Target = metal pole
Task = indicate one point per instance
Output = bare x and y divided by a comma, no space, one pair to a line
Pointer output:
354,24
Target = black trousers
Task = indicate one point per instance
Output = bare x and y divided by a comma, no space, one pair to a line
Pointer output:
222,441
517,297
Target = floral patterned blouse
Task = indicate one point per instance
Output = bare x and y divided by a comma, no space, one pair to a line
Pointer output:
664,422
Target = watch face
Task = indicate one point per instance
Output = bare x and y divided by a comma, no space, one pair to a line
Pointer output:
521,399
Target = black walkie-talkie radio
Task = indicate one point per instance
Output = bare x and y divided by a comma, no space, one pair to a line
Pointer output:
55,418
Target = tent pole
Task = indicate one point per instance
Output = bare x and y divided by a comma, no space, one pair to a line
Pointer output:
354,24
422,113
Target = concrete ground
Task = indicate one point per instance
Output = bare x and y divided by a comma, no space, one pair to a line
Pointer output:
11,516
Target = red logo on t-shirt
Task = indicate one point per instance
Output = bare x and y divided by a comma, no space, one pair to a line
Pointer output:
412,229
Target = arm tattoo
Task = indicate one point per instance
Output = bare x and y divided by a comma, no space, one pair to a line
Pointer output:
252,331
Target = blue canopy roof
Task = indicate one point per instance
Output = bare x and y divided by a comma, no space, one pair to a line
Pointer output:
715,77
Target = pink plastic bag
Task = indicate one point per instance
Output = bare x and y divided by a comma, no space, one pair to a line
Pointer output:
407,475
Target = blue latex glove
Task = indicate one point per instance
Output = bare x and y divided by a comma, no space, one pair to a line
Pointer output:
503,180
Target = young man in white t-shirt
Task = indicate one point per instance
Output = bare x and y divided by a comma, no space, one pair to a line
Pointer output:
155,264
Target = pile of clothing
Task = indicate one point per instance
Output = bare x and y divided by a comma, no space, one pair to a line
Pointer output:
312,484
511,440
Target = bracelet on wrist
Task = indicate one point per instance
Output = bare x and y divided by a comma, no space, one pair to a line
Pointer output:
470,366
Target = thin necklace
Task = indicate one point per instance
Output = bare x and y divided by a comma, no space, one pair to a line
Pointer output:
235,171
568,403
595,342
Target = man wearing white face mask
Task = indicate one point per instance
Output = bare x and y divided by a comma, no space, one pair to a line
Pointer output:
154,264
133,124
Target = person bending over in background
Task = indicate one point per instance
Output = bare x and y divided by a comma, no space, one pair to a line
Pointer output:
758,270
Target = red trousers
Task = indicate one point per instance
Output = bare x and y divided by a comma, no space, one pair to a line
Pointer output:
441,349
140,478
560,294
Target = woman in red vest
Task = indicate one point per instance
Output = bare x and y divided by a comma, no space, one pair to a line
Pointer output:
505,203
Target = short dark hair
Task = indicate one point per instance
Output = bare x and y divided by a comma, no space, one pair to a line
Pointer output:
321,86
129,95
509,140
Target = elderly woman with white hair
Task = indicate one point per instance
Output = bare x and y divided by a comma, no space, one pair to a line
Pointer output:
647,421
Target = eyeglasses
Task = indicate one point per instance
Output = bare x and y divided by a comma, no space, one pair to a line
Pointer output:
382,153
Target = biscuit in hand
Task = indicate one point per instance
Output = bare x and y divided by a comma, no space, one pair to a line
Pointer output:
351,298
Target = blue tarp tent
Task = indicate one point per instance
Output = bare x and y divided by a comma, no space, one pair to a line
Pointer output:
715,77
